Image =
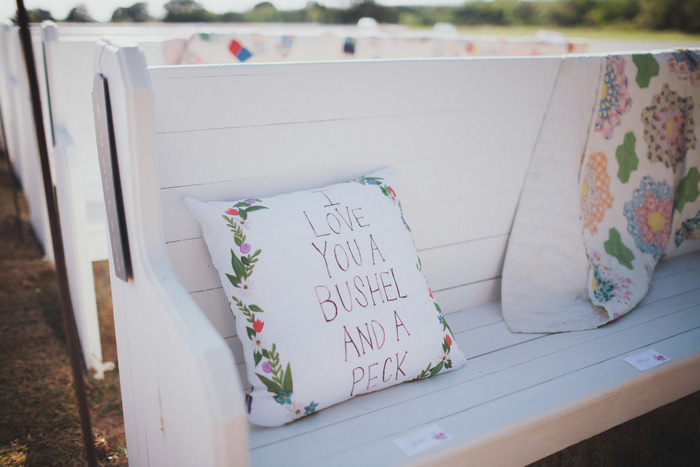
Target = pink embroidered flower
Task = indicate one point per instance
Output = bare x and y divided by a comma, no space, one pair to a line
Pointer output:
614,99
668,127
245,248
266,367
595,192
648,216
232,212
654,218
258,325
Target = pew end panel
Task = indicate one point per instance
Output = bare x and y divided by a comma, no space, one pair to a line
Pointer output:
173,377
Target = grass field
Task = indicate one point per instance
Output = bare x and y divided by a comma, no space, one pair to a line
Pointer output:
609,33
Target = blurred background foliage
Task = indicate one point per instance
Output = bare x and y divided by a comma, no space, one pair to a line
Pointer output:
677,15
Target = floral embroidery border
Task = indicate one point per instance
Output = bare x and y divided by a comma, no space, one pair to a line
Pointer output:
276,378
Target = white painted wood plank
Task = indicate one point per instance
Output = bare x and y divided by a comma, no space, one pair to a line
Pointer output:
520,353
443,223
296,149
479,293
679,265
444,403
429,183
464,263
532,347
346,90
566,400
215,306
491,363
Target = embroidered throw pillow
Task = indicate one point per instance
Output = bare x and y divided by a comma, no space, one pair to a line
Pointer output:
327,293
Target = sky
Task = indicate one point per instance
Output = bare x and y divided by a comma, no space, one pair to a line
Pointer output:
102,10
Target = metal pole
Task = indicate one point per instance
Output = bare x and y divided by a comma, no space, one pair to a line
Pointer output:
57,240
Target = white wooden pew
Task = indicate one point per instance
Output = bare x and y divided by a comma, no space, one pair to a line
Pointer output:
5,83
460,134
76,172
22,143
67,51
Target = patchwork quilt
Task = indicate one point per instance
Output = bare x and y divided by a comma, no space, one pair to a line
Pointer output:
627,192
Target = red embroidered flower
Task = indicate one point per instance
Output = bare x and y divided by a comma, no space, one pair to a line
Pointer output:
258,325
431,294
233,212
448,340
393,193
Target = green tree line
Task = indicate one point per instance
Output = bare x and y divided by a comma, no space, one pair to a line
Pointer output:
681,15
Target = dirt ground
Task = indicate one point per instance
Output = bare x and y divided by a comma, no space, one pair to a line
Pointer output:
39,423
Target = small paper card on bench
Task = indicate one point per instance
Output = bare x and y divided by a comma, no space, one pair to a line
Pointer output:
647,359
421,440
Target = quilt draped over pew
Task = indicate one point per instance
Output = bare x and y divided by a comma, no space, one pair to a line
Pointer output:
610,196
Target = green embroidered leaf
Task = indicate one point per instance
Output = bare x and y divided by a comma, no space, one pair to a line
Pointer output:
287,381
255,208
235,281
448,364
437,307
243,214
647,68
265,353
436,370
237,266
257,356
688,189
615,248
445,347
256,308
251,332
271,385
424,374
245,260
627,157
238,240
